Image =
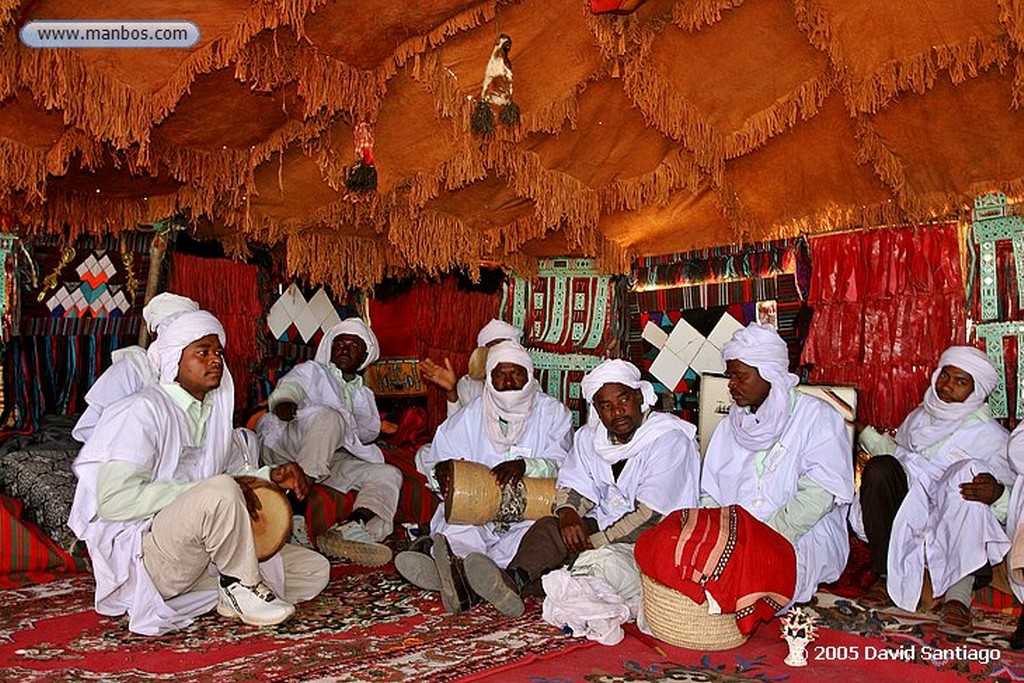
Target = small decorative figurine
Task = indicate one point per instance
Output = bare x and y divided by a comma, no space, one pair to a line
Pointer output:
798,630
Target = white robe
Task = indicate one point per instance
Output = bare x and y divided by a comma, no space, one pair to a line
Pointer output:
814,444
664,475
935,528
548,435
150,430
128,373
322,389
1014,526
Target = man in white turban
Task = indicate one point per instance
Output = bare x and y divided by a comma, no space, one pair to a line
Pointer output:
782,455
168,530
629,466
514,429
935,497
470,385
1015,528
129,369
323,417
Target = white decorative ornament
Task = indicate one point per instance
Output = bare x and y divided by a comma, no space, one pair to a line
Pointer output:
798,630
686,348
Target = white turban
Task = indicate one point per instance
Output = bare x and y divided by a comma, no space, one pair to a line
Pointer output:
617,372
508,352
761,347
165,353
165,356
973,361
514,407
354,326
165,307
935,419
498,330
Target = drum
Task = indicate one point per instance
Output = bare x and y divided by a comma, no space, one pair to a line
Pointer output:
273,525
476,498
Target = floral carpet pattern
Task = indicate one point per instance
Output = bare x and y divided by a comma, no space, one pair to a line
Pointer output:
371,626
361,628
917,635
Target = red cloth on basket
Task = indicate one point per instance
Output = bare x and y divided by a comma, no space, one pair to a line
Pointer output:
748,567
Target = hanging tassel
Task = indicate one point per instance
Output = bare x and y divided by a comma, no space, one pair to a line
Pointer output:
482,121
509,114
362,175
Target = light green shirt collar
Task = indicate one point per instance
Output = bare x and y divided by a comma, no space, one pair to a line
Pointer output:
348,387
197,412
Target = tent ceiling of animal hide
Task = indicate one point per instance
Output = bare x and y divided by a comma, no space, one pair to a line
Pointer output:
681,125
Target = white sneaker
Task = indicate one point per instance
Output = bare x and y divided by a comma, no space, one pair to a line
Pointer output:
351,541
254,605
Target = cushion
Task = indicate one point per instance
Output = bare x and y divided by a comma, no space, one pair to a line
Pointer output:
44,482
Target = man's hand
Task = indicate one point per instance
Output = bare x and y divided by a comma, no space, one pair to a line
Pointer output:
574,534
291,477
443,474
252,501
285,411
983,489
509,472
442,376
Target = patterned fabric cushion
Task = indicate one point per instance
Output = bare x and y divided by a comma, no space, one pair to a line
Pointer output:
44,482
416,503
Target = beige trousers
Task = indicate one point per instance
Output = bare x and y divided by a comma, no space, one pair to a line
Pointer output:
317,445
209,524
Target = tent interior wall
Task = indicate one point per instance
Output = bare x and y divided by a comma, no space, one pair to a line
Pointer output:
847,171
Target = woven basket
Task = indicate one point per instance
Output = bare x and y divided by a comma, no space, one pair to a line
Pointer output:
680,621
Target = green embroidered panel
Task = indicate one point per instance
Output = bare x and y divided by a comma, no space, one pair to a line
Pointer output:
993,223
993,334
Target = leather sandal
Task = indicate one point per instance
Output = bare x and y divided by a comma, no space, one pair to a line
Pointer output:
955,619
456,594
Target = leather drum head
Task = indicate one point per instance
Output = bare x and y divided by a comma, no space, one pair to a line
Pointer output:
273,525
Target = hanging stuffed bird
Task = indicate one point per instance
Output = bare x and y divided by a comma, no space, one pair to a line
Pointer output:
496,91
362,175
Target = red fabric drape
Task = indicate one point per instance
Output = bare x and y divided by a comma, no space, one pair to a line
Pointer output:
393,326
887,303
227,289
447,322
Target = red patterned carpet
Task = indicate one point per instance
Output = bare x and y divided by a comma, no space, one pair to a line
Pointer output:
362,628
371,626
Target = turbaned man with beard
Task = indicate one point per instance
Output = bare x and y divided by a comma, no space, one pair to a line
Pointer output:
629,467
517,431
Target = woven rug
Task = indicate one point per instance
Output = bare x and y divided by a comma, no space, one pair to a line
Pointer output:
856,643
364,627
759,659
371,626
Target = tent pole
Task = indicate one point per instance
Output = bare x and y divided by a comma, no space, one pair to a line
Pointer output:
157,251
